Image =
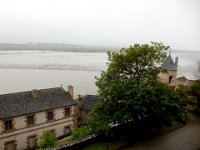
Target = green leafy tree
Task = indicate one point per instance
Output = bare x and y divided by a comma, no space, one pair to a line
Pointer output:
81,132
130,90
195,88
195,92
48,140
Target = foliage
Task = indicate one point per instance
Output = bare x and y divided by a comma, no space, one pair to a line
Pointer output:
81,132
195,88
195,92
48,140
130,90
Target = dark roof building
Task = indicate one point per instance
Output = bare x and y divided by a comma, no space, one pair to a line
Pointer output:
16,104
169,64
87,102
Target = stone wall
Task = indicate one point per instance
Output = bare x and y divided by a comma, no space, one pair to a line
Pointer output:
21,131
164,77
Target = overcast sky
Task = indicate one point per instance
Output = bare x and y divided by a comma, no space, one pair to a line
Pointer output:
118,23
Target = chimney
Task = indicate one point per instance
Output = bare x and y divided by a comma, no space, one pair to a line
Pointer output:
71,90
176,61
35,93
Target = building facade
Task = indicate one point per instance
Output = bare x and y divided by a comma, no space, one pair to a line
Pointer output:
24,116
85,104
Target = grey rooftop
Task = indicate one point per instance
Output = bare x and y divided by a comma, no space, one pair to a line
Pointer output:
21,103
169,64
86,102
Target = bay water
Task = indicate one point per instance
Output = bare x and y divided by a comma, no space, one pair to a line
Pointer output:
27,70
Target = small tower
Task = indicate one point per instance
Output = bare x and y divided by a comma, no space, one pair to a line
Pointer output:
170,66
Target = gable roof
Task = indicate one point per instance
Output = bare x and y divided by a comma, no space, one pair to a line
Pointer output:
21,103
169,64
87,101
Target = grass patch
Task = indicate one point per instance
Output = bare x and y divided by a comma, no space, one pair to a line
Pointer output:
103,145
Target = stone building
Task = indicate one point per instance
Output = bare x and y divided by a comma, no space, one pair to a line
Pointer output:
85,104
170,74
24,116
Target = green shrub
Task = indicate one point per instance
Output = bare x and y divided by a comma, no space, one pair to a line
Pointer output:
48,140
81,132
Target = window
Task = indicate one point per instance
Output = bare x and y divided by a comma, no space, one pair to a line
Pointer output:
86,112
170,79
10,145
67,112
8,125
31,142
50,115
30,120
52,131
67,130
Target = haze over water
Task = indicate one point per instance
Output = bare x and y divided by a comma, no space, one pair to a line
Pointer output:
103,23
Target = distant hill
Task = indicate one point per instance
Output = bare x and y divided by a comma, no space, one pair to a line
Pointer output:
55,46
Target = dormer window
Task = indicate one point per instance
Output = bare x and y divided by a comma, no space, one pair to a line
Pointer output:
8,125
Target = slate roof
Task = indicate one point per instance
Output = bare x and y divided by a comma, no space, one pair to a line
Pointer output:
169,64
16,104
87,102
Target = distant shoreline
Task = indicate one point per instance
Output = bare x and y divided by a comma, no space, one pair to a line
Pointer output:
68,47
56,47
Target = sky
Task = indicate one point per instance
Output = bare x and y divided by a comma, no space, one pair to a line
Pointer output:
118,23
